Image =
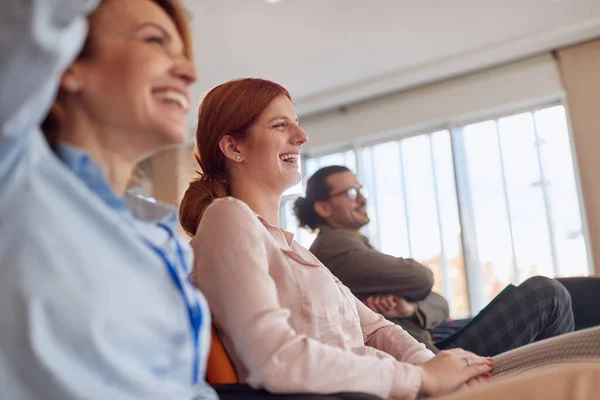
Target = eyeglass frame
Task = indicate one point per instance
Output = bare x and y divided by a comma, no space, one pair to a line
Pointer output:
360,191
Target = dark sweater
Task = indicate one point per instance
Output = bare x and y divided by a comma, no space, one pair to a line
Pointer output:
368,272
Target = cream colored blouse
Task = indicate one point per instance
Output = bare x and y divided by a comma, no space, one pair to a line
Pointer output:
287,322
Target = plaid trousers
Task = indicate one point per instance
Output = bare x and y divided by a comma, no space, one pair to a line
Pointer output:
537,309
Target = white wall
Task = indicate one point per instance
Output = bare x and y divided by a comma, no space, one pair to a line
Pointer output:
500,90
580,71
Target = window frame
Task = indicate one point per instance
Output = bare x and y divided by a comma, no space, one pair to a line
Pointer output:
473,269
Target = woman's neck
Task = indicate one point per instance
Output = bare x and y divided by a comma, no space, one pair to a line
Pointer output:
112,157
259,200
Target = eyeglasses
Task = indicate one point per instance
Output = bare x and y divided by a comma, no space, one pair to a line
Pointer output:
352,193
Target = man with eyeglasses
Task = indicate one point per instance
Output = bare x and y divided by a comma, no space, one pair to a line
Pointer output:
400,288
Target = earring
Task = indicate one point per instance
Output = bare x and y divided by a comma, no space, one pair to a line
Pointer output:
238,158
73,85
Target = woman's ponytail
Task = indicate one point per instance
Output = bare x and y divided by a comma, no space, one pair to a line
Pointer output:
198,196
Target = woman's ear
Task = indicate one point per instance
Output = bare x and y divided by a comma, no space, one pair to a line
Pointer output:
322,209
229,147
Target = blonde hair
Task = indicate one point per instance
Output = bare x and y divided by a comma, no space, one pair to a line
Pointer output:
52,123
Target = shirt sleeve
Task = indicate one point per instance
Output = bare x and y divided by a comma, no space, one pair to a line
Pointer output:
367,271
232,270
391,338
434,310
39,39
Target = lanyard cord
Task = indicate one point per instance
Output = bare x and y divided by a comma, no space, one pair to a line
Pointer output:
194,311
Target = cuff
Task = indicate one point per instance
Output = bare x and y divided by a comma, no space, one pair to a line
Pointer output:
407,382
421,318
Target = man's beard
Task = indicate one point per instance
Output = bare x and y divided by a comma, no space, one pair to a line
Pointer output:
364,216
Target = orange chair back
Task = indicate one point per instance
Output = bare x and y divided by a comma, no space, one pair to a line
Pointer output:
219,368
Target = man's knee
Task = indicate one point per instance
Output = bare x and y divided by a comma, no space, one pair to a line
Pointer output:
549,288
555,305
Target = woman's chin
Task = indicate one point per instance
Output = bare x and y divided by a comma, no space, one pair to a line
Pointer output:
293,180
173,137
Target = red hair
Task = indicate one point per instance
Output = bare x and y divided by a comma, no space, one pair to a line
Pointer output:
231,109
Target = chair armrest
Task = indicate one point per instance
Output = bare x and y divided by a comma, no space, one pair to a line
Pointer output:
577,346
585,295
245,392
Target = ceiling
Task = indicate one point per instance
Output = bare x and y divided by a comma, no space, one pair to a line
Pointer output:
333,52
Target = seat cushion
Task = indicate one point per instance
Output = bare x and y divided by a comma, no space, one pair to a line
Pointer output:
219,368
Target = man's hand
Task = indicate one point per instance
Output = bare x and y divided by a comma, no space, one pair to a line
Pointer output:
391,306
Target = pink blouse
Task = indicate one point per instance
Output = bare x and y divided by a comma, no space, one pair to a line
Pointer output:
288,324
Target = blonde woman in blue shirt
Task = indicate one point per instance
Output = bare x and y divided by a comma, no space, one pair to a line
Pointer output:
94,297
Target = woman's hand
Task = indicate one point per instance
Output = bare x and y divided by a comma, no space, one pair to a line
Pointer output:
451,369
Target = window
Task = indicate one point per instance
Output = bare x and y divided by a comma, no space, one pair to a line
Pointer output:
345,158
415,205
523,200
563,205
504,189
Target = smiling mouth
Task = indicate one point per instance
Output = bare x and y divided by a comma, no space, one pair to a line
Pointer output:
174,98
290,158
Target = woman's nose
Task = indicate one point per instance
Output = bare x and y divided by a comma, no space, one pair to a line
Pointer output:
186,71
301,136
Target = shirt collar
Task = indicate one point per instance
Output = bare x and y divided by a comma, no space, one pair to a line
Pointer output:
151,211
94,177
325,229
287,236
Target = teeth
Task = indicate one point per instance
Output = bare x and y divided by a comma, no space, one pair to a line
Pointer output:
174,97
288,157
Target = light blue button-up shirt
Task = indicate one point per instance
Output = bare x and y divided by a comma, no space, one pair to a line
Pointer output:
88,307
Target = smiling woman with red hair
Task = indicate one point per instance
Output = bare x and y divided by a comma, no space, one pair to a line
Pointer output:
288,324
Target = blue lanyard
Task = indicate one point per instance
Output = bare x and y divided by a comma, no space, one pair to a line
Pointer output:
194,310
